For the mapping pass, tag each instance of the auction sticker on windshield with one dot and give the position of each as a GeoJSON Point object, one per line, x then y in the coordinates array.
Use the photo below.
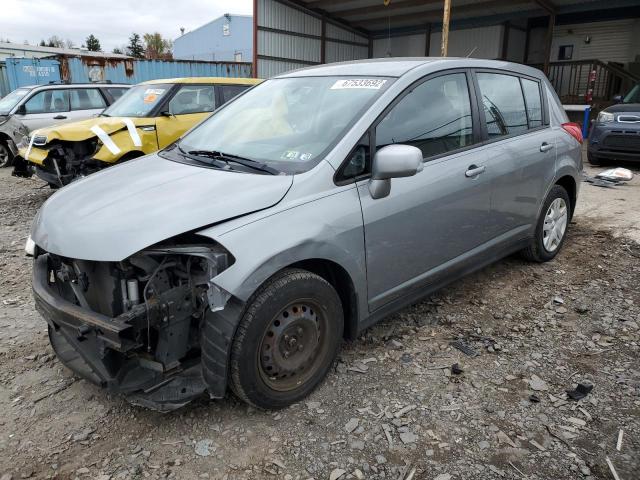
{"type": "Point", "coordinates": [152, 94]}
{"type": "Point", "coordinates": [369, 83]}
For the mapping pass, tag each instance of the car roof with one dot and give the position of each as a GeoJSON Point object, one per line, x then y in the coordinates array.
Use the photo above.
{"type": "Point", "coordinates": [212, 80]}
{"type": "Point", "coordinates": [77, 85]}
{"type": "Point", "coordinates": [399, 66]}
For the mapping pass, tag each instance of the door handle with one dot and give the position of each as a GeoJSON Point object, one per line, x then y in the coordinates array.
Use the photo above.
{"type": "Point", "coordinates": [59, 117]}
{"type": "Point", "coordinates": [474, 171]}
{"type": "Point", "coordinates": [545, 147]}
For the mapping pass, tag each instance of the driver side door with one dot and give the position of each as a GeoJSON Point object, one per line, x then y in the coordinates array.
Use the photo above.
{"type": "Point", "coordinates": [433, 220]}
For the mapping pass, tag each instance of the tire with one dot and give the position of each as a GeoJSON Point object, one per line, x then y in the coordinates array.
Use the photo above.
{"type": "Point", "coordinates": [593, 160]}
{"type": "Point", "coordinates": [545, 245]}
{"type": "Point", "coordinates": [6, 157]}
{"type": "Point", "coordinates": [287, 340]}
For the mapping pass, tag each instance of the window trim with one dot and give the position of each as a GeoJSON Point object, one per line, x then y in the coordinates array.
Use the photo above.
{"type": "Point", "coordinates": [483, 124]}
{"type": "Point", "coordinates": [338, 178]}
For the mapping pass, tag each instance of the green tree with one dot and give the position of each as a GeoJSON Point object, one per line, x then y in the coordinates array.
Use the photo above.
{"type": "Point", "coordinates": [135, 48]}
{"type": "Point", "coordinates": [117, 51]}
{"type": "Point", "coordinates": [93, 44]}
{"type": "Point", "coordinates": [157, 47]}
{"type": "Point", "coordinates": [43, 43]}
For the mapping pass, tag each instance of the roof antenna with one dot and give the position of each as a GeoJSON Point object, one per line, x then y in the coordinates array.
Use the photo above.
{"type": "Point", "coordinates": [472, 51]}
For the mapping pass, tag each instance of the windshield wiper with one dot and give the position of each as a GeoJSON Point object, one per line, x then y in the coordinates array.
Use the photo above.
{"type": "Point", "coordinates": [228, 158]}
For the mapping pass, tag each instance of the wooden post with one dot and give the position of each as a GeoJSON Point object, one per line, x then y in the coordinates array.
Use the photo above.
{"type": "Point", "coordinates": [445, 28]}
{"type": "Point", "coordinates": [427, 46]}
{"type": "Point", "coordinates": [548, 41]}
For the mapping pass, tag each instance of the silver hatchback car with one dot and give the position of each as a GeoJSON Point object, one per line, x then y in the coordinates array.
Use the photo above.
{"type": "Point", "coordinates": [302, 212]}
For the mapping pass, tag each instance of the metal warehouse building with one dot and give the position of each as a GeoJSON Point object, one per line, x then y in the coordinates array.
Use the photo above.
{"type": "Point", "coordinates": [582, 45]}
{"type": "Point", "coordinates": [227, 38]}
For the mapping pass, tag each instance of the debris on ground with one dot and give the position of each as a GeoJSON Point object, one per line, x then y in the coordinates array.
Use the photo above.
{"type": "Point", "coordinates": [581, 391]}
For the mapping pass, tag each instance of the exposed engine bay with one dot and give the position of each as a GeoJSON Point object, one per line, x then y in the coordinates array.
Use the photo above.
{"type": "Point", "coordinates": [134, 326]}
{"type": "Point", "coordinates": [65, 162]}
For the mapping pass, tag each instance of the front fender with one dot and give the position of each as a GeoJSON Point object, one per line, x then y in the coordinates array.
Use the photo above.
{"type": "Point", "coordinates": [329, 228]}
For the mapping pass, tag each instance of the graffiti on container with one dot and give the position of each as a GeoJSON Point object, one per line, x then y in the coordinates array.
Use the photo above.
{"type": "Point", "coordinates": [34, 71]}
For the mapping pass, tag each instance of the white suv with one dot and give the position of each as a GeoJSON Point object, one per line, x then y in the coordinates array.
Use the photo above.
{"type": "Point", "coordinates": [28, 108]}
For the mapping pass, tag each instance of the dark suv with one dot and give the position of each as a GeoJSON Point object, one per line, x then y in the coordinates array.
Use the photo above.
{"type": "Point", "coordinates": [615, 135]}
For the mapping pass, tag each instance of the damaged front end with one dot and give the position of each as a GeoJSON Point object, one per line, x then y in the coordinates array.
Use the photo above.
{"type": "Point", "coordinates": [135, 326]}
{"type": "Point", "coordinates": [59, 162]}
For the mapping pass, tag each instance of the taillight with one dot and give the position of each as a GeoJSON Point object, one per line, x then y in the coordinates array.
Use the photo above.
{"type": "Point", "coordinates": [574, 130]}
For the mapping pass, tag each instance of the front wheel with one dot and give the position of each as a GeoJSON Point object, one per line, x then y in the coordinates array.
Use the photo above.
{"type": "Point", "coordinates": [287, 340]}
{"type": "Point", "coordinates": [6, 157]}
{"type": "Point", "coordinates": [551, 228]}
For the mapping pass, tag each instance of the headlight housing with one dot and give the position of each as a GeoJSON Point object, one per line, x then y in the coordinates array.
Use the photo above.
{"type": "Point", "coordinates": [605, 117]}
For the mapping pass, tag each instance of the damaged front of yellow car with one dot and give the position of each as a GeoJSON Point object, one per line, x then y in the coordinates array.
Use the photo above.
{"type": "Point", "coordinates": [62, 153]}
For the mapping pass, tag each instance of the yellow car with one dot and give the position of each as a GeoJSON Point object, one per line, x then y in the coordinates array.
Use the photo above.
{"type": "Point", "coordinates": [147, 118]}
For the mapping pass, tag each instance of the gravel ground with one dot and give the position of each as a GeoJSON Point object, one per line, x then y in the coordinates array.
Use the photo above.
{"type": "Point", "coordinates": [393, 407]}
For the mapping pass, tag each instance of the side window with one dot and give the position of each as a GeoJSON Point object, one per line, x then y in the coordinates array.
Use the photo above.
{"type": "Point", "coordinates": [503, 103]}
{"type": "Point", "coordinates": [192, 99]}
{"type": "Point", "coordinates": [48, 101]}
{"type": "Point", "coordinates": [116, 93]}
{"type": "Point", "coordinates": [531, 91]}
{"type": "Point", "coordinates": [86, 99]}
{"type": "Point", "coordinates": [435, 117]}
{"type": "Point", "coordinates": [230, 91]}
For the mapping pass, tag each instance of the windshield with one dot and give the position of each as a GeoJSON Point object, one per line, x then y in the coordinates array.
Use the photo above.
{"type": "Point", "coordinates": [287, 123]}
{"type": "Point", "coordinates": [7, 103]}
{"type": "Point", "coordinates": [633, 96]}
{"type": "Point", "coordinates": [138, 101]}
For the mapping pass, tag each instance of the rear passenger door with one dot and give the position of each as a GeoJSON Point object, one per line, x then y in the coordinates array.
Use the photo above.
{"type": "Point", "coordinates": [520, 146]}
{"type": "Point", "coordinates": [431, 222]}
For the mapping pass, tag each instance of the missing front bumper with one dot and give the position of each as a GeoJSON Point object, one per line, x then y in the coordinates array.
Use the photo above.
{"type": "Point", "coordinates": [105, 351]}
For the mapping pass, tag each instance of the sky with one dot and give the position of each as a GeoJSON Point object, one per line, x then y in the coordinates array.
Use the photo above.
{"type": "Point", "coordinates": [111, 21]}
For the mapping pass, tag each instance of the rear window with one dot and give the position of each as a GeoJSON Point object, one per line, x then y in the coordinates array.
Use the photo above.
{"type": "Point", "coordinates": [86, 99]}
{"type": "Point", "coordinates": [503, 101]}
{"type": "Point", "coordinates": [532, 96]}
{"type": "Point", "coordinates": [230, 91]}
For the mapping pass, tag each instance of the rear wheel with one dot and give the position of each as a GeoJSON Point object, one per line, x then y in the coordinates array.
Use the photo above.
{"type": "Point", "coordinates": [551, 228]}
{"type": "Point", "coordinates": [6, 157]}
{"type": "Point", "coordinates": [287, 339]}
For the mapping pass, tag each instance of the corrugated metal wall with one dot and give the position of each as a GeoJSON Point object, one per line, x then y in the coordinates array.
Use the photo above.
{"type": "Point", "coordinates": [136, 71]}
{"type": "Point", "coordinates": [615, 41]}
{"type": "Point", "coordinates": [18, 72]}
{"type": "Point", "coordinates": [290, 37]}
{"type": "Point", "coordinates": [4, 80]}
{"type": "Point", "coordinates": [482, 42]}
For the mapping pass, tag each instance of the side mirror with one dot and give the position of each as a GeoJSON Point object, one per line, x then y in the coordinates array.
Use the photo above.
{"type": "Point", "coordinates": [393, 161]}
{"type": "Point", "coordinates": [22, 110]}
{"type": "Point", "coordinates": [617, 99]}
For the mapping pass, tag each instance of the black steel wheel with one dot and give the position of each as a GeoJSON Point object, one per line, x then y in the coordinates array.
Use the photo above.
{"type": "Point", "coordinates": [287, 340]}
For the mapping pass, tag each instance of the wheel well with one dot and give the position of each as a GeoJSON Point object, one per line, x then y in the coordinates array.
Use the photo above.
{"type": "Point", "coordinates": [341, 281]}
{"type": "Point", "coordinates": [569, 184]}
{"type": "Point", "coordinates": [130, 155]}
{"type": "Point", "coordinates": [4, 138]}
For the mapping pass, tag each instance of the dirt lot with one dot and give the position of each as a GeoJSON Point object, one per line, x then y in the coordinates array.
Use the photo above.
{"type": "Point", "coordinates": [392, 408]}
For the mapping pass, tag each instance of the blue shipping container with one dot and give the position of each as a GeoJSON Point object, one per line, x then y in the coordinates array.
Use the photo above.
{"type": "Point", "coordinates": [31, 71]}
{"type": "Point", "coordinates": [90, 69]}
